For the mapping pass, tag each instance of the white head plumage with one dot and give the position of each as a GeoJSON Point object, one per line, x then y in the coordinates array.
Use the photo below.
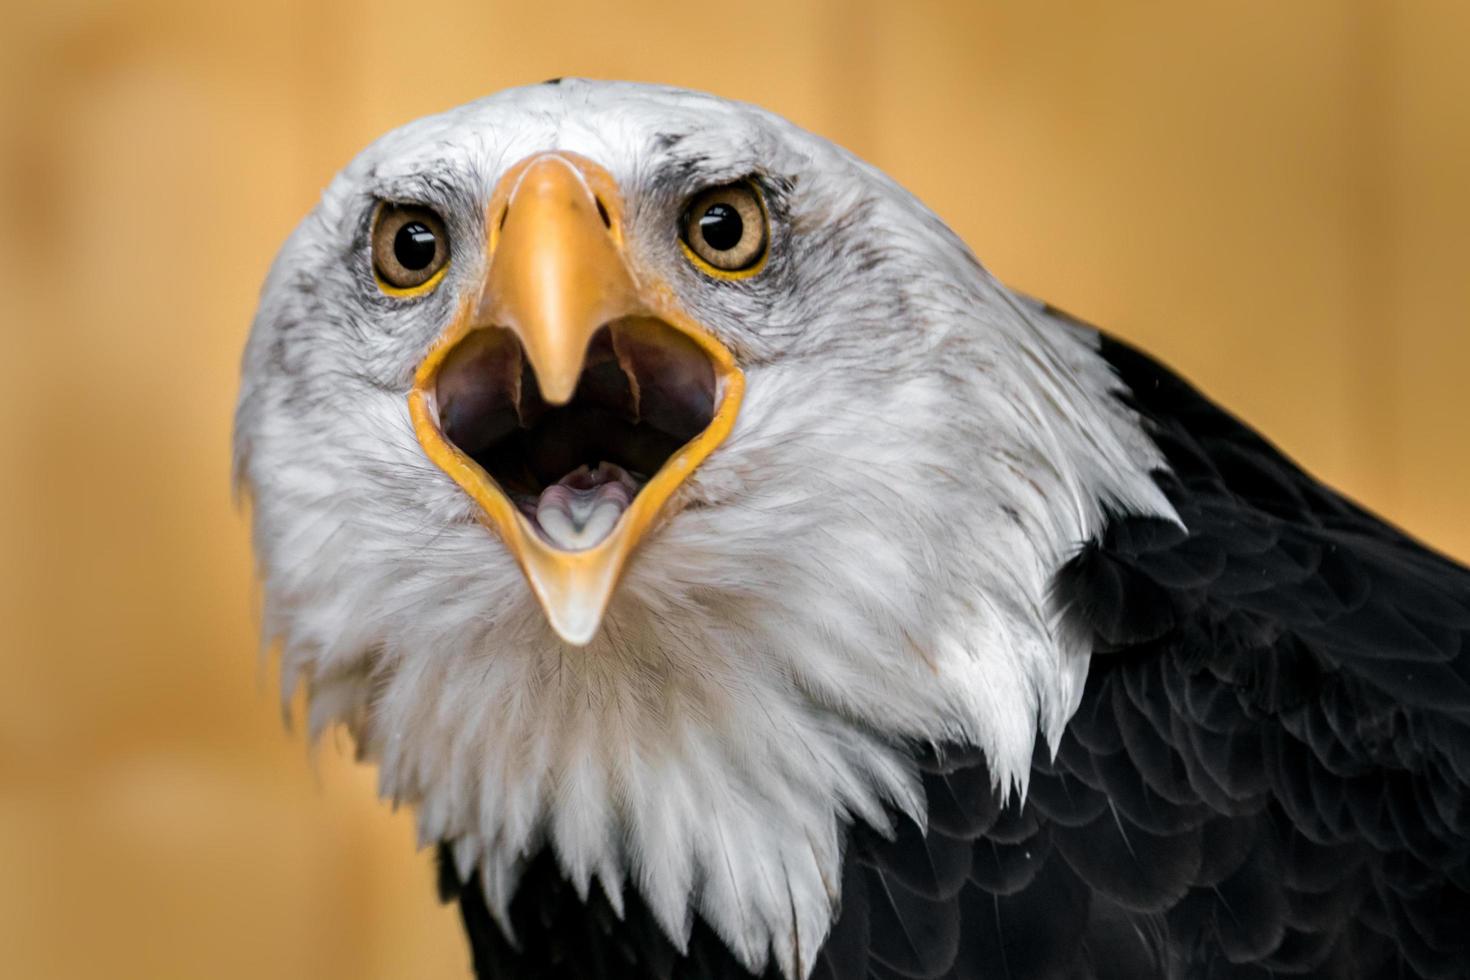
{"type": "Point", "coordinates": [863, 561]}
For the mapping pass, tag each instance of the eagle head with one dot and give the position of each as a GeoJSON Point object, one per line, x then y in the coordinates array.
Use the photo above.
{"type": "Point", "coordinates": [636, 475]}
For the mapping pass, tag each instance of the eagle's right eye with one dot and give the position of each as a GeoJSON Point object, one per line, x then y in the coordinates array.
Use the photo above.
{"type": "Point", "coordinates": [410, 248]}
{"type": "Point", "coordinates": [725, 231]}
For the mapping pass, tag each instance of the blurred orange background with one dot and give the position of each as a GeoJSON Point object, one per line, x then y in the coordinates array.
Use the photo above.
{"type": "Point", "coordinates": [1271, 196]}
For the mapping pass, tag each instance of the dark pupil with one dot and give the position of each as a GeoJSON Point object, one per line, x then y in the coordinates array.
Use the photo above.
{"type": "Point", "coordinates": [414, 246]}
{"type": "Point", "coordinates": [721, 227]}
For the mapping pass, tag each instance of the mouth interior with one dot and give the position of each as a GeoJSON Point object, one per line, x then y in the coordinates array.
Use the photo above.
{"type": "Point", "coordinates": [572, 470]}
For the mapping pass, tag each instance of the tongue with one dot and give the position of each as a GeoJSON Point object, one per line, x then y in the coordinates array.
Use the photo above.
{"type": "Point", "coordinates": [579, 510]}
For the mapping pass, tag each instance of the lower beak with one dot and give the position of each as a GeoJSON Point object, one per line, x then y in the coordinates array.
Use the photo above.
{"type": "Point", "coordinates": [565, 358]}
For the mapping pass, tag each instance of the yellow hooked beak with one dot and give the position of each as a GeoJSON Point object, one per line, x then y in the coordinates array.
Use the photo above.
{"type": "Point", "coordinates": [558, 275]}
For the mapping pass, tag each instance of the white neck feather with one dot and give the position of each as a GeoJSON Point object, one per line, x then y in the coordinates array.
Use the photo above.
{"type": "Point", "coordinates": [766, 654]}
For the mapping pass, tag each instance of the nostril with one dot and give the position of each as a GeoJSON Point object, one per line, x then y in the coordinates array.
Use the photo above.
{"type": "Point", "coordinates": [504, 213]}
{"type": "Point", "coordinates": [602, 213]}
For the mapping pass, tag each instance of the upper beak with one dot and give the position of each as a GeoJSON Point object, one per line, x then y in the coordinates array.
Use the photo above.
{"type": "Point", "coordinates": [557, 274]}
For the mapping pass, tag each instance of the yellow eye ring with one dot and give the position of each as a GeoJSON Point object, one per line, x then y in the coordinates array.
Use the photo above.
{"type": "Point", "coordinates": [410, 247]}
{"type": "Point", "coordinates": [725, 231]}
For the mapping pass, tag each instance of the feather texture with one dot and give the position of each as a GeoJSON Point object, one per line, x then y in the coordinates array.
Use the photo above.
{"type": "Point", "coordinates": [949, 662]}
{"type": "Point", "coordinates": [865, 561]}
{"type": "Point", "coordinates": [1256, 782]}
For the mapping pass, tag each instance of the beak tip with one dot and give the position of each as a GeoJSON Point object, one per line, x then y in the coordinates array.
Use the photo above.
{"type": "Point", "coordinates": [576, 626]}
{"type": "Point", "coordinates": [556, 373]}
{"type": "Point", "coordinates": [573, 589]}
{"type": "Point", "coordinates": [558, 393]}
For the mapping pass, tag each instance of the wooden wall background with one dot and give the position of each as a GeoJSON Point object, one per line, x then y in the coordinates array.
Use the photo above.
{"type": "Point", "coordinates": [1273, 196]}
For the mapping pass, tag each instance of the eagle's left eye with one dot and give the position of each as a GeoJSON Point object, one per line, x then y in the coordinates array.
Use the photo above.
{"type": "Point", "coordinates": [724, 230]}
{"type": "Point", "coordinates": [410, 246]}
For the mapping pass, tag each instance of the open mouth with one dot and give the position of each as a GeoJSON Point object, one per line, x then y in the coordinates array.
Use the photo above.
{"type": "Point", "coordinates": [573, 470]}
{"type": "Point", "coordinates": [569, 397]}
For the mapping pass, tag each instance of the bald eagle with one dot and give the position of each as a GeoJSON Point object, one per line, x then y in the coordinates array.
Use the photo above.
{"type": "Point", "coordinates": [738, 580]}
